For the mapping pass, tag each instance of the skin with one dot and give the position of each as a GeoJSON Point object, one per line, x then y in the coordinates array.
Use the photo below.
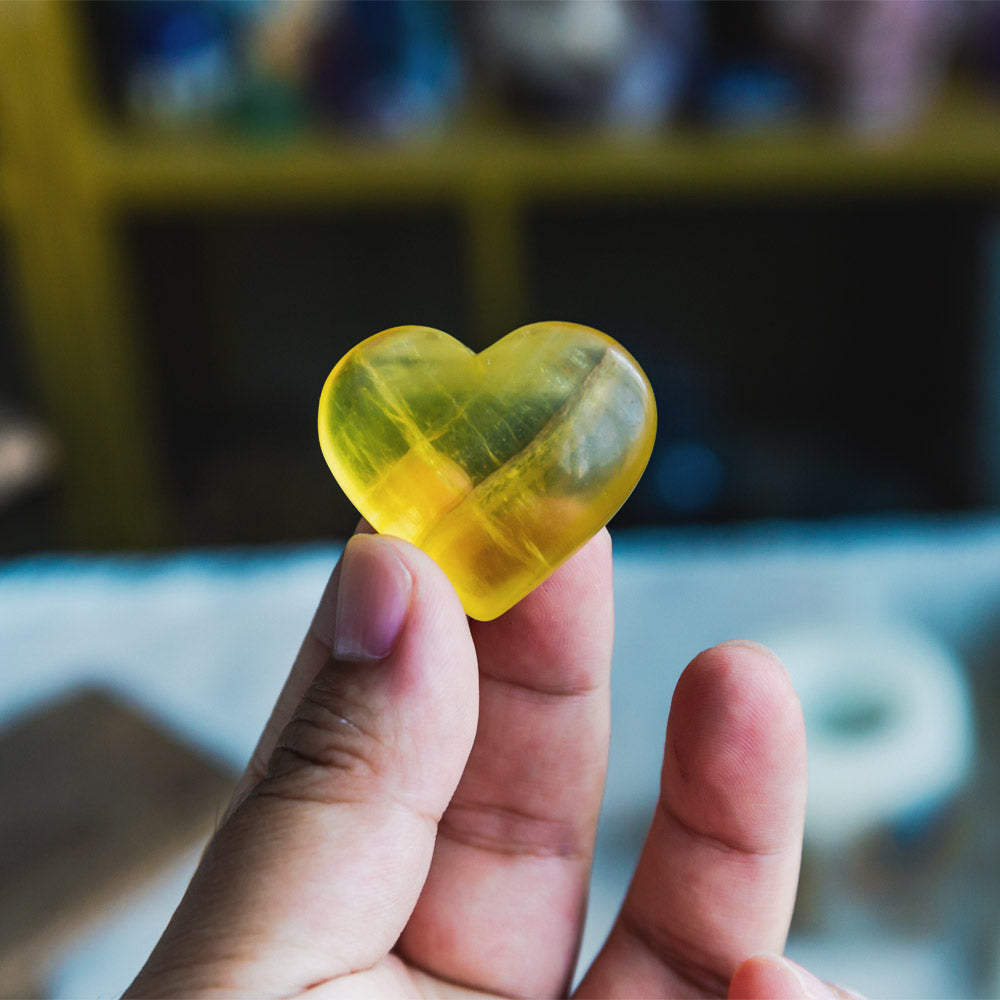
{"type": "Point", "coordinates": [419, 816]}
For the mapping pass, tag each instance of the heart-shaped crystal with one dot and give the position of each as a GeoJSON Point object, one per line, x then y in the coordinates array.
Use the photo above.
{"type": "Point", "coordinates": [499, 465]}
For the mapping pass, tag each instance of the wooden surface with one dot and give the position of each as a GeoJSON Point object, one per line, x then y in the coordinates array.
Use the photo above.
{"type": "Point", "coordinates": [96, 798]}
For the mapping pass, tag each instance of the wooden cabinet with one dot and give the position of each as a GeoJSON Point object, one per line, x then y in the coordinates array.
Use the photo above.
{"type": "Point", "coordinates": [68, 176]}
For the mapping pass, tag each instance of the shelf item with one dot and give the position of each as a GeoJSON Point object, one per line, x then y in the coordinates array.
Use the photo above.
{"type": "Point", "coordinates": [28, 455]}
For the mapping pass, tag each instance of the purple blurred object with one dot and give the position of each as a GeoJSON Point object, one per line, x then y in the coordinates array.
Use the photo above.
{"type": "Point", "coordinates": [389, 67]}
{"type": "Point", "coordinates": [984, 27]}
{"type": "Point", "coordinates": [884, 59]}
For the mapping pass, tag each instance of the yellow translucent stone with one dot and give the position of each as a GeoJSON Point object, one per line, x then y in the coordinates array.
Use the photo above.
{"type": "Point", "coordinates": [499, 465]}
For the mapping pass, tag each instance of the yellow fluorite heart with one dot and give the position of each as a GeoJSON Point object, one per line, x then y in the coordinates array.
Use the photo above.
{"type": "Point", "coordinates": [499, 465]}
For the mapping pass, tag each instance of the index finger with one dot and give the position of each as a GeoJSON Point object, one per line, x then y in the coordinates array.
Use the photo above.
{"type": "Point", "coordinates": [503, 906]}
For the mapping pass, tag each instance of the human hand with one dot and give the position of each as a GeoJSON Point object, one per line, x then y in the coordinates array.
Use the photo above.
{"type": "Point", "coordinates": [420, 813]}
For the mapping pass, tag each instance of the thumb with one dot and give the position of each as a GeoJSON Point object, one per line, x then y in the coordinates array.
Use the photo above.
{"type": "Point", "coordinates": [317, 869]}
{"type": "Point", "coordinates": [774, 977]}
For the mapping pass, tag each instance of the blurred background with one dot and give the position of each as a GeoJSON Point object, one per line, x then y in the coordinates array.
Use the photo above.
{"type": "Point", "coordinates": [786, 211]}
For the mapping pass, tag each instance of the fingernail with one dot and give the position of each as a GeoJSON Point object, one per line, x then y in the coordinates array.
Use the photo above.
{"type": "Point", "coordinates": [796, 981]}
{"type": "Point", "coordinates": [372, 601]}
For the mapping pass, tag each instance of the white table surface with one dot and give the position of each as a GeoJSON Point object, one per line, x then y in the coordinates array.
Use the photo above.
{"type": "Point", "coordinates": [203, 641]}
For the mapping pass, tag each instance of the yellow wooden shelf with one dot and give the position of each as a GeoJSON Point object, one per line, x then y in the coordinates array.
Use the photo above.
{"type": "Point", "coordinates": [8, 193]}
{"type": "Point", "coordinates": [958, 147]}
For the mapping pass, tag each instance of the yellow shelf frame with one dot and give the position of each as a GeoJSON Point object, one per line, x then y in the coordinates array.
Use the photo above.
{"type": "Point", "coordinates": [958, 146]}
{"type": "Point", "coordinates": [80, 332]}
{"type": "Point", "coordinates": [67, 175]}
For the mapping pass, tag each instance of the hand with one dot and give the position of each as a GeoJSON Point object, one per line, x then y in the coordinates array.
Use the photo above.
{"type": "Point", "coordinates": [420, 813]}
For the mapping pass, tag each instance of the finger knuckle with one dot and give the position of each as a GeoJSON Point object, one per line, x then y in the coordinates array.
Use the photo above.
{"type": "Point", "coordinates": [330, 747]}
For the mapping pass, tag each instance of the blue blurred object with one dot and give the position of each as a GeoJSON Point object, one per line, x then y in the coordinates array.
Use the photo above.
{"type": "Point", "coordinates": [389, 67]}
{"type": "Point", "coordinates": [654, 79]}
{"type": "Point", "coordinates": [688, 477]}
{"type": "Point", "coordinates": [753, 94]}
{"type": "Point", "coordinates": [180, 67]}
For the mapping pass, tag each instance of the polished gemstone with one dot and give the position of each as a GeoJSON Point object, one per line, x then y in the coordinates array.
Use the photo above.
{"type": "Point", "coordinates": [499, 465]}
